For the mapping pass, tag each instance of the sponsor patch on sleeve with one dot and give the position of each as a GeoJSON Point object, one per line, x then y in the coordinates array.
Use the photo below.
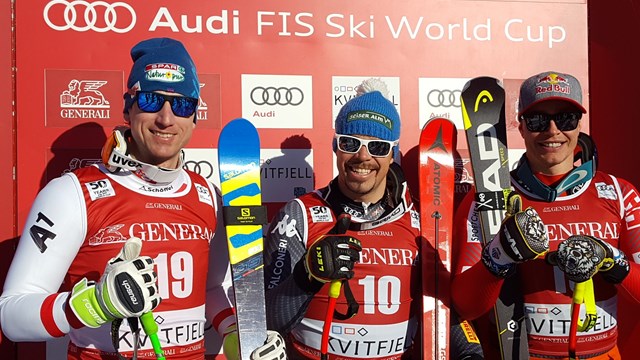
{"type": "Point", "coordinates": [204, 195]}
{"type": "Point", "coordinates": [415, 219]}
{"type": "Point", "coordinates": [100, 189]}
{"type": "Point", "coordinates": [320, 214]}
{"type": "Point", "coordinates": [606, 191]}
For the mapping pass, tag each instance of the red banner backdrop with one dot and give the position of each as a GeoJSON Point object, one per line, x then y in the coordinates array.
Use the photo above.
{"type": "Point", "coordinates": [286, 65]}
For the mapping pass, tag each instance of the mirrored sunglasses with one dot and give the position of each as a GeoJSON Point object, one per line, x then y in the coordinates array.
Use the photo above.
{"type": "Point", "coordinates": [152, 102]}
{"type": "Point", "coordinates": [565, 121]}
{"type": "Point", "coordinates": [376, 148]}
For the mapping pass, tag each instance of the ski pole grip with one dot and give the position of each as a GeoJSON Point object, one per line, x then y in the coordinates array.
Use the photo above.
{"type": "Point", "coordinates": [587, 297]}
{"type": "Point", "coordinates": [150, 327]}
{"type": "Point", "coordinates": [334, 288]}
{"type": "Point", "coordinates": [341, 227]}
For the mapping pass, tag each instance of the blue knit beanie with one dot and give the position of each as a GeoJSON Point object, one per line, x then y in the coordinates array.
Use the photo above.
{"type": "Point", "coordinates": [369, 113]}
{"type": "Point", "coordinates": [161, 64]}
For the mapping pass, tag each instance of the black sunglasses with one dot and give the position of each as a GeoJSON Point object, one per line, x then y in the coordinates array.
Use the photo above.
{"type": "Point", "coordinates": [152, 102]}
{"type": "Point", "coordinates": [377, 148]}
{"type": "Point", "coordinates": [565, 121]}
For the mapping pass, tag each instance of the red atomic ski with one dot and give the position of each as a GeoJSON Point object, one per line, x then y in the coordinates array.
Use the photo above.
{"type": "Point", "coordinates": [437, 174]}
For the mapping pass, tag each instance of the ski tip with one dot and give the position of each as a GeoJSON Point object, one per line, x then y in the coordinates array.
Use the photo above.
{"type": "Point", "coordinates": [239, 125]}
{"type": "Point", "coordinates": [238, 133]}
{"type": "Point", "coordinates": [482, 80]}
{"type": "Point", "coordinates": [240, 120]}
{"type": "Point", "coordinates": [439, 120]}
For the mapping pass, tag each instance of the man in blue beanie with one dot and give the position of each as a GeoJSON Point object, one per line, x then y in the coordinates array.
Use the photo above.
{"type": "Point", "coordinates": [360, 230]}
{"type": "Point", "coordinates": [105, 213]}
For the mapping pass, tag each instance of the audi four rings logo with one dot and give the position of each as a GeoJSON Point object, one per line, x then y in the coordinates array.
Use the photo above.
{"type": "Point", "coordinates": [92, 13]}
{"type": "Point", "coordinates": [203, 168]}
{"type": "Point", "coordinates": [444, 98]}
{"type": "Point", "coordinates": [276, 96]}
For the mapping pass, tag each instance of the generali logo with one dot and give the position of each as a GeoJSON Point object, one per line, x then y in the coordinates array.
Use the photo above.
{"type": "Point", "coordinates": [74, 97]}
{"type": "Point", "coordinates": [85, 94]}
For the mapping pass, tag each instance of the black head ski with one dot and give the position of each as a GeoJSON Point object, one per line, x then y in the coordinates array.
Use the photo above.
{"type": "Point", "coordinates": [484, 122]}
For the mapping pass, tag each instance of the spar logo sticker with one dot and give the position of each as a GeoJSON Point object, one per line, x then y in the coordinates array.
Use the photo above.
{"type": "Point", "coordinates": [278, 101]}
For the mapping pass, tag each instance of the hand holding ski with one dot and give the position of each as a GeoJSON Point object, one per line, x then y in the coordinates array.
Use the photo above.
{"type": "Point", "coordinates": [331, 257]}
{"type": "Point", "coordinates": [127, 288]}
{"type": "Point", "coordinates": [580, 257]}
{"type": "Point", "coordinates": [522, 237]}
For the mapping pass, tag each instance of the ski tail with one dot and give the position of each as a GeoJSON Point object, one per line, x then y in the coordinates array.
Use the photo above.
{"type": "Point", "coordinates": [483, 101]}
{"type": "Point", "coordinates": [244, 216]}
{"type": "Point", "coordinates": [437, 175]}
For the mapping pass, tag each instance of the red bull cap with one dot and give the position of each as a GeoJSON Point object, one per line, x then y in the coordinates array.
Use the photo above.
{"type": "Point", "coordinates": [550, 85]}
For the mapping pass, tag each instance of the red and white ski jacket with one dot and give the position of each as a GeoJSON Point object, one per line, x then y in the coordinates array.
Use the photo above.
{"type": "Point", "coordinates": [386, 284]}
{"type": "Point", "coordinates": [81, 220]}
{"type": "Point", "coordinates": [605, 207]}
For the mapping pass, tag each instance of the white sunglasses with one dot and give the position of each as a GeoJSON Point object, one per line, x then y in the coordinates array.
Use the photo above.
{"type": "Point", "coordinates": [376, 148]}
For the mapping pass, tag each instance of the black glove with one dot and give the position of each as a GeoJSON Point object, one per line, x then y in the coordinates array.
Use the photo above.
{"type": "Point", "coordinates": [522, 237]}
{"type": "Point", "coordinates": [332, 256]}
{"type": "Point", "coordinates": [581, 256]}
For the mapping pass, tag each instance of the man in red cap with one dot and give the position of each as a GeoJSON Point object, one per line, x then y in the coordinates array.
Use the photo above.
{"type": "Point", "coordinates": [588, 220]}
